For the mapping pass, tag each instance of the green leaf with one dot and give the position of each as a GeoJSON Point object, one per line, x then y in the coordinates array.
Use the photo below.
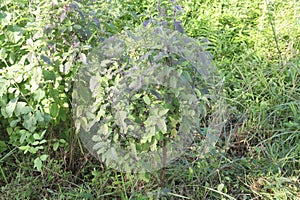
{"type": "Point", "coordinates": [19, 107]}
{"type": "Point", "coordinates": [37, 136]}
{"type": "Point", "coordinates": [104, 129]}
{"type": "Point", "coordinates": [46, 59]}
{"type": "Point", "coordinates": [39, 95]}
{"type": "Point", "coordinates": [162, 112]}
{"type": "Point", "coordinates": [187, 76]}
{"type": "Point", "coordinates": [161, 125]}
{"type": "Point", "coordinates": [153, 146]}
{"type": "Point", "coordinates": [39, 116]}
{"type": "Point", "coordinates": [24, 135]}
{"type": "Point", "coordinates": [13, 123]}
{"type": "Point", "coordinates": [99, 146]}
{"type": "Point", "coordinates": [147, 99]}
{"type": "Point", "coordinates": [62, 114]}
{"type": "Point", "coordinates": [83, 122]}
{"type": "Point", "coordinates": [113, 154]}
{"type": "Point", "coordinates": [43, 157]}
{"type": "Point", "coordinates": [55, 146]}
{"type": "Point", "coordinates": [26, 110]}
{"type": "Point", "coordinates": [49, 75]}
{"type": "Point", "coordinates": [116, 137]}
{"type": "Point", "coordinates": [29, 122]}
{"type": "Point", "coordinates": [36, 79]}
{"type": "Point", "coordinates": [156, 94]}
{"type": "Point", "coordinates": [14, 36]}
{"type": "Point", "coordinates": [10, 107]}
{"type": "Point", "coordinates": [120, 117]}
{"type": "Point", "coordinates": [3, 85]}
{"type": "Point", "coordinates": [12, 58]}
{"type": "Point", "coordinates": [54, 109]}
{"type": "Point", "coordinates": [5, 18]}
{"type": "Point", "coordinates": [25, 148]}
{"type": "Point", "coordinates": [220, 187]}
{"type": "Point", "coordinates": [173, 82]}
{"type": "Point", "coordinates": [38, 164]}
{"type": "Point", "coordinates": [3, 146]}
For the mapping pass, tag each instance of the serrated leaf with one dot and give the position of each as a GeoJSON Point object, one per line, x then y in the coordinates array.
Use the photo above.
{"type": "Point", "coordinates": [10, 107]}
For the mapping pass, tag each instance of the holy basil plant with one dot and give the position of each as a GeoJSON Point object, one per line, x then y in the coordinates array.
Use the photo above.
{"type": "Point", "coordinates": [142, 97]}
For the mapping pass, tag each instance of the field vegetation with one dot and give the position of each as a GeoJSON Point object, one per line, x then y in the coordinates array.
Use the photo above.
{"type": "Point", "coordinates": [255, 45]}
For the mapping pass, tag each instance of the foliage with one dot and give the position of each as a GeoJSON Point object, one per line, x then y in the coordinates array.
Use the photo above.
{"type": "Point", "coordinates": [41, 47]}
{"type": "Point", "coordinates": [254, 43]}
{"type": "Point", "coordinates": [143, 91]}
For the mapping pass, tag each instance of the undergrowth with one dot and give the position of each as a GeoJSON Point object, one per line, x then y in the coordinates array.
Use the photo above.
{"type": "Point", "coordinates": [255, 45]}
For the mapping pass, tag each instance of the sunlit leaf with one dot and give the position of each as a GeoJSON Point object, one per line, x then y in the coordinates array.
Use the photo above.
{"type": "Point", "coordinates": [10, 107]}
{"type": "Point", "coordinates": [147, 99]}
{"type": "Point", "coordinates": [19, 107]}
{"type": "Point", "coordinates": [39, 94]}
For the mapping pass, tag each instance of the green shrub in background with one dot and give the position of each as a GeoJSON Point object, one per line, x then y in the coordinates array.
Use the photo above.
{"type": "Point", "coordinates": [42, 44]}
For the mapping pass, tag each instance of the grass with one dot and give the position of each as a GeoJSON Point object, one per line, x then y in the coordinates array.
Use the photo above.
{"type": "Point", "coordinates": [256, 46]}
